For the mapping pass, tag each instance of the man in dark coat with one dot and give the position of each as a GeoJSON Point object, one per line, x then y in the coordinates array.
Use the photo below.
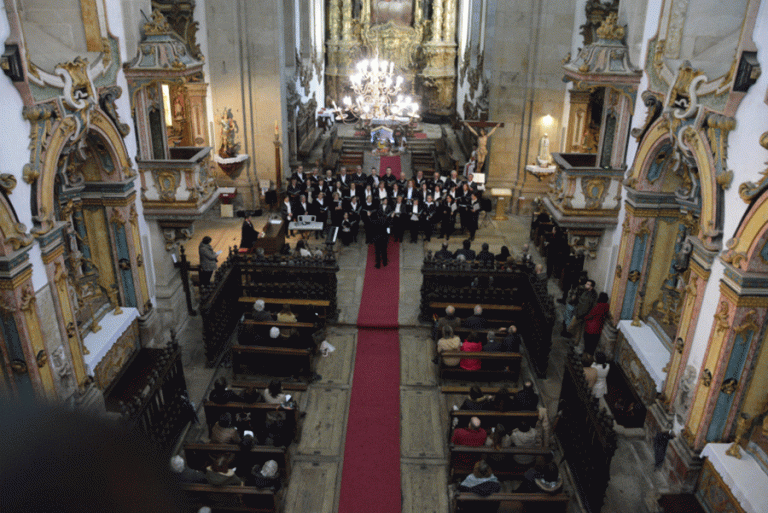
{"type": "Point", "coordinates": [485, 256]}
{"type": "Point", "coordinates": [526, 399]}
{"type": "Point", "coordinates": [380, 238]}
{"type": "Point", "coordinates": [444, 254]}
{"type": "Point", "coordinates": [465, 250]}
{"type": "Point", "coordinates": [476, 322]}
{"type": "Point", "coordinates": [248, 233]}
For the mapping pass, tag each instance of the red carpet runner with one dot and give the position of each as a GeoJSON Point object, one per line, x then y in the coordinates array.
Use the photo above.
{"type": "Point", "coordinates": [371, 473]}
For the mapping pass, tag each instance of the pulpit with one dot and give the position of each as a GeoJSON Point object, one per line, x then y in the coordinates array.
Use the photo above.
{"type": "Point", "coordinates": [502, 202]}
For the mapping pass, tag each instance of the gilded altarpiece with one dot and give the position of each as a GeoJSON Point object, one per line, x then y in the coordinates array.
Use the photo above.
{"type": "Point", "coordinates": [422, 50]}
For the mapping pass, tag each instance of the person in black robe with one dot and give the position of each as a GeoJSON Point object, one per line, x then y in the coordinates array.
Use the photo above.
{"type": "Point", "coordinates": [248, 233]}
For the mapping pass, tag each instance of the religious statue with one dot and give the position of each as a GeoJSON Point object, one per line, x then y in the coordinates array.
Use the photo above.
{"type": "Point", "coordinates": [544, 158]}
{"type": "Point", "coordinates": [229, 128]}
{"type": "Point", "coordinates": [482, 144]}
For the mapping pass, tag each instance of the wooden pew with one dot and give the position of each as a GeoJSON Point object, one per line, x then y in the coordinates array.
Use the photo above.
{"type": "Point", "coordinates": [271, 361]}
{"type": "Point", "coordinates": [232, 498]}
{"type": "Point", "coordinates": [300, 307]}
{"type": "Point", "coordinates": [497, 316]}
{"type": "Point", "coordinates": [489, 419]}
{"type": "Point", "coordinates": [463, 333]}
{"type": "Point", "coordinates": [258, 413]}
{"type": "Point", "coordinates": [199, 456]}
{"type": "Point", "coordinates": [502, 461]}
{"type": "Point", "coordinates": [288, 386]}
{"type": "Point", "coordinates": [250, 331]}
{"type": "Point", "coordinates": [538, 502]}
{"type": "Point", "coordinates": [496, 361]}
{"type": "Point", "coordinates": [464, 389]}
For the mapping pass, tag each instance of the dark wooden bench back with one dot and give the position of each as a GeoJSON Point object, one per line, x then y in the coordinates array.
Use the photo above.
{"type": "Point", "coordinates": [538, 502]}
{"type": "Point", "coordinates": [493, 367]}
{"type": "Point", "coordinates": [489, 419]}
{"type": "Point", "coordinates": [258, 413]}
{"type": "Point", "coordinates": [271, 361]}
{"type": "Point", "coordinates": [232, 498]}
{"type": "Point", "coordinates": [199, 456]}
{"type": "Point", "coordinates": [501, 461]}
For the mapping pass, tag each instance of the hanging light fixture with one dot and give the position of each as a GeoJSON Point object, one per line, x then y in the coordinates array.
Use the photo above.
{"type": "Point", "coordinates": [377, 96]}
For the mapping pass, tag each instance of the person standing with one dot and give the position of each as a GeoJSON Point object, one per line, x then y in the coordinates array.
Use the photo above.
{"type": "Point", "coordinates": [380, 238]}
{"type": "Point", "coordinates": [593, 323]}
{"type": "Point", "coordinates": [587, 300]}
{"type": "Point", "coordinates": [208, 258]}
{"type": "Point", "coordinates": [248, 233]}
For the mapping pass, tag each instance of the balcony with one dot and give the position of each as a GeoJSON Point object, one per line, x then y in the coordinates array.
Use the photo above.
{"type": "Point", "coordinates": [180, 187]}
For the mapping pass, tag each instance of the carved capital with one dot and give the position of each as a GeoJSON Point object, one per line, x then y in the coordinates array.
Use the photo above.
{"type": "Point", "coordinates": [7, 182]}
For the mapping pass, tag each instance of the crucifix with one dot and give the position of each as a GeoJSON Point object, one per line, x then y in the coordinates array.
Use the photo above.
{"type": "Point", "coordinates": [482, 138]}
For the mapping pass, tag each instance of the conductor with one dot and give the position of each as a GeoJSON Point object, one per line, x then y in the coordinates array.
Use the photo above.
{"type": "Point", "coordinates": [248, 233]}
{"type": "Point", "coordinates": [380, 237]}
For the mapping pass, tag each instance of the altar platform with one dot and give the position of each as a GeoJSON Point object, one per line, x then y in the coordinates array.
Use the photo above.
{"type": "Point", "coordinates": [642, 356]}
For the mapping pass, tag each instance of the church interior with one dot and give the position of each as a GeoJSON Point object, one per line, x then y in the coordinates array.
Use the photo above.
{"type": "Point", "coordinates": [623, 142]}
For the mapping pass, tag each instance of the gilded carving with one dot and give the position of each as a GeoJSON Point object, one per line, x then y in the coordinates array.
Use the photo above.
{"type": "Point", "coordinates": [594, 190]}
{"type": "Point", "coordinates": [107, 102]}
{"type": "Point", "coordinates": [44, 223]}
{"type": "Point", "coordinates": [30, 174]}
{"type": "Point", "coordinates": [706, 378]}
{"type": "Point", "coordinates": [28, 299]}
{"type": "Point", "coordinates": [609, 30]}
{"type": "Point", "coordinates": [167, 182]}
{"type": "Point", "coordinates": [634, 276]}
{"type": "Point", "coordinates": [133, 216]}
{"type": "Point", "coordinates": [7, 182]}
{"type": "Point", "coordinates": [655, 105]}
{"type": "Point", "coordinates": [749, 323]}
{"type": "Point", "coordinates": [643, 228]}
{"type": "Point", "coordinates": [749, 190]}
{"type": "Point", "coordinates": [618, 271]}
{"type": "Point", "coordinates": [721, 317]}
{"type": "Point", "coordinates": [117, 217]}
{"type": "Point", "coordinates": [41, 359]}
{"type": "Point", "coordinates": [21, 239]}
{"type": "Point", "coordinates": [157, 25]}
{"type": "Point", "coordinates": [395, 43]}
{"type": "Point", "coordinates": [113, 362]}
{"type": "Point", "coordinates": [729, 386]}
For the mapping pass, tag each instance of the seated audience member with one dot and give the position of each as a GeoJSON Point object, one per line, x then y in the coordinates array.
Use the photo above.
{"type": "Point", "coordinates": [472, 436]}
{"type": "Point", "coordinates": [444, 254]}
{"type": "Point", "coordinates": [223, 433]}
{"type": "Point", "coordinates": [481, 482]}
{"type": "Point", "coordinates": [465, 250]}
{"type": "Point", "coordinates": [274, 394]}
{"type": "Point", "coordinates": [471, 345]}
{"type": "Point", "coordinates": [302, 250]}
{"type": "Point", "coordinates": [544, 464]}
{"type": "Point", "coordinates": [184, 473]}
{"type": "Point", "coordinates": [252, 395]}
{"type": "Point", "coordinates": [449, 342]}
{"type": "Point", "coordinates": [243, 457]}
{"type": "Point", "coordinates": [476, 401]}
{"type": "Point", "coordinates": [220, 472]}
{"type": "Point", "coordinates": [540, 272]}
{"type": "Point", "coordinates": [512, 341]}
{"type": "Point", "coordinates": [524, 436]}
{"type": "Point", "coordinates": [498, 438]}
{"type": "Point", "coordinates": [485, 256]}
{"type": "Point", "coordinates": [450, 319]}
{"type": "Point", "coordinates": [259, 314]}
{"type": "Point", "coordinates": [222, 395]}
{"type": "Point", "coordinates": [526, 399]}
{"type": "Point", "coordinates": [265, 476]}
{"type": "Point", "coordinates": [503, 401]}
{"type": "Point", "coordinates": [503, 255]}
{"type": "Point", "coordinates": [526, 258]}
{"type": "Point", "coordinates": [286, 315]}
{"type": "Point", "coordinates": [476, 322]}
{"type": "Point", "coordinates": [550, 480]}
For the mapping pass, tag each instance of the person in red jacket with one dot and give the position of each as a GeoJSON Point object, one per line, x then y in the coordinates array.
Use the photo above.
{"type": "Point", "coordinates": [471, 345]}
{"type": "Point", "coordinates": [472, 435]}
{"type": "Point", "coordinates": [593, 323]}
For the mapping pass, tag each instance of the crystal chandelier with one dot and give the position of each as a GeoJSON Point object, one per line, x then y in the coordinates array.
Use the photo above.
{"type": "Point", "coordinates": [377, 96]}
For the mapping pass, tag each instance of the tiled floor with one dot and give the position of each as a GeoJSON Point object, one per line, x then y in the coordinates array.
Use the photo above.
{"type": "Point", "coordinates": [317, 461]}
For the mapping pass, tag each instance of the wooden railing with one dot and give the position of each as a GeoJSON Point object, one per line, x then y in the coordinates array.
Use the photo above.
{"type": "Point", "coordinates": [586, 435]}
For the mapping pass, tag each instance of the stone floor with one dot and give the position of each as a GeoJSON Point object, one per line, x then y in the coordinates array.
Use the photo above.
{"type": "Point", "coordinates": [317, 459]}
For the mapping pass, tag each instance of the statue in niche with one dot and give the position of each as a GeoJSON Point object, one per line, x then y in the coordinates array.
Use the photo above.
{"type": "Point", "coordinates": [544, 157]}
{"type": "Point", "coordinates": [399, 12]}
{"type": "Point", "coordinates": [685, 394]}
{"type": "Point", "coordinates": [229, 129]}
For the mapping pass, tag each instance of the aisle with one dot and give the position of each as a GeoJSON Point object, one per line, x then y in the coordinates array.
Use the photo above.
{"type": "Point", "coordinates": [371, 470]}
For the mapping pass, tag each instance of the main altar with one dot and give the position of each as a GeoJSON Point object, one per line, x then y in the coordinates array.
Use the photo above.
{"type": "Point", "coordinates": [422, 47]}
